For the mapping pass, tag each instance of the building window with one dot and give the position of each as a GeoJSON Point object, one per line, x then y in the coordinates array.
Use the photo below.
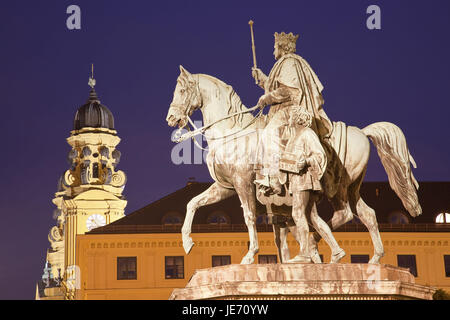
{"type": "Point", "coordinates": [355, 220]}
{"type": "Point", "coordinates": [221, 260]}
{"type": "Point", "coordinates": [398, 217]}
{"type": "Point", "coordinates": [408, 261]}
{"type": "Point", "coordinates": [443, 218]}
{"type": "Point", "coordinates": [267, 258]}
{"type": "Point", "coordinates": [218, 217]}
{"type": "Point", "coordinates": [126, 268]}
{"type": "Point", "coordinates": [172, 218]}
{"type": "Point", "coordinates": [447, 265]}
{"type": "Point", "coordinates": [174, 267]}
{"type": "Point", "coordinates": [359, 258]}
{"type": "Point", "coordinates": [262, 219]}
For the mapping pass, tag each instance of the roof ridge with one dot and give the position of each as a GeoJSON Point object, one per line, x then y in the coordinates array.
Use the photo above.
{"type": "Point", "coordinates": [154, 203]}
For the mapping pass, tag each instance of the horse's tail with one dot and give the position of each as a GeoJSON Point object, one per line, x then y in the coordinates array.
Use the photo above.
{"type": "Point", "coordinates": [395, 157]}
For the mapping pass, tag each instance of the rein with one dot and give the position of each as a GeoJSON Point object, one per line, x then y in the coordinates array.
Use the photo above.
{"type": "Point", "coordinates": [178, 137]}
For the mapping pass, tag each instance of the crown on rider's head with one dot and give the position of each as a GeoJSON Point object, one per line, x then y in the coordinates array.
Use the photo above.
{"type": "Point", "coordinates": [287, 41]}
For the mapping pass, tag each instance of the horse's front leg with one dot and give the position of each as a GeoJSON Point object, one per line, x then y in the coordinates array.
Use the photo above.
{"type": "Point", "coordinates": [213, 194]}
{"type": "Point", "coordinates": [247, 195]}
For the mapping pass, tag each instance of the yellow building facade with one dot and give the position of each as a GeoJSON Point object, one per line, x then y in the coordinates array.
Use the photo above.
{"type": "Point", "coordinates": [98, 255]}
{"type": "Point", "coordinates": [150, 239]}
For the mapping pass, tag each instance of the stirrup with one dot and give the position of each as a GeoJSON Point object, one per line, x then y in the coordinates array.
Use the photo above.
{"type": "Point", "coordinates": [263, 182]}
{"type": "Point", "coordinates": [276, 185]}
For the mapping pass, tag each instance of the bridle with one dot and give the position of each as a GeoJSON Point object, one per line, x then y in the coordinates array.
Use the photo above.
{"type": "Point", "coordinates": [179, 137]}
{"type": "Point", "coordinates": [180, 108]}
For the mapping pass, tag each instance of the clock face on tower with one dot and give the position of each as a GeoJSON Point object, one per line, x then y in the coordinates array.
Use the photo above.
{"type": "Point", "coordinates": [95, 221]}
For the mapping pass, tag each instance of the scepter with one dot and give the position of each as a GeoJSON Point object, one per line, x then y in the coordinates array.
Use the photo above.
{"type": "Point", "coordinates": [253, 47]}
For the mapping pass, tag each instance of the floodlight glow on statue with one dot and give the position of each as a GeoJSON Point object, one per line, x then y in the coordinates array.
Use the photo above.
{"type": "Point", "coordinates": [240, 151]}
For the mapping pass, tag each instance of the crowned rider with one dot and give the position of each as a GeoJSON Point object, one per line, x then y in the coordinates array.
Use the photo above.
{"type": "Point", "coordinates": [290, 82]}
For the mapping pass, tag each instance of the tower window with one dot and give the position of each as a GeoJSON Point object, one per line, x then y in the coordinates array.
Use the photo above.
{"type": "Point", "coordinates": [126, 268]}
{"type": "Point", "coordinates": [359, 258]}
{"type": "Point", "coordinates": [267, 258]}
{"type": "Point", "coordinates": [221, 261]}
{"type": "Point", "coordinates": [443, 218]}
{"type": "Point", "coordinates": [408, 261]}
{"type": "Point", "coordinates": [95, 173]}
{"type": "Point", "coordinates": [174, 267]}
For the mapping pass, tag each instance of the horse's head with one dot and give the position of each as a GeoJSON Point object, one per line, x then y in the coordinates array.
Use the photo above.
{"type": "Point", "coordinates": [186, 99]}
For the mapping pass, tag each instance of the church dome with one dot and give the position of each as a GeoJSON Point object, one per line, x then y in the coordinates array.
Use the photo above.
{"type": "Point", "coordinates": [93, 114]}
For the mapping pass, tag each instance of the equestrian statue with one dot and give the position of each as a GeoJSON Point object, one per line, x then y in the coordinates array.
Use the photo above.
{"type": "Point", "coordinates": [289, 159]}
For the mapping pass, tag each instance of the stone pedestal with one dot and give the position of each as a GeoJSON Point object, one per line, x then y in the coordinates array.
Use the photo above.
{"type": "Point", "coordinates": [303, 282]}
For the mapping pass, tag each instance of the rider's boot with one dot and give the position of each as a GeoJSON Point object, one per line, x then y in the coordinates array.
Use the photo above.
{"type": "Point", "coordinates": [275, 184]}
{"type": "Point", "coordinates": [269, 183]}
{"type": "Point", "coordinates": [263, 182]}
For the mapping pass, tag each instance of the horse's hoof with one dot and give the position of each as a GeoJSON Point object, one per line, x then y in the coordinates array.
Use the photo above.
{"type": "Point", "coordinates": [285, 257]}
{"type": "Point", "coordinates": [187, 245]}
{"type": "Point", "coordinates": [375, 259]}
{"type": "Point", "coordinates": [300, 259]}
{"type": "Point", "coordinates": [247, 260]}
{"type": "Point", "coordinates": [315, 257]}
{"type": "Point", "coordinates": [335, 258]}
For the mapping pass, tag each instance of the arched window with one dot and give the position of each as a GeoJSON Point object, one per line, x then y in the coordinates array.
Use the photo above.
{"type": "Point", "coordinates": [262, 219]}
{"type": "Point", "coordinates": [443, 218]}
{"type": "Point", "coordinates": [172, 218]}
{"type": "Point", "coordinates": [398, 217]}
{"type": "Point", "coordinates": [355, 220]}
{"type": "Point", "coordinates": [218, 217]}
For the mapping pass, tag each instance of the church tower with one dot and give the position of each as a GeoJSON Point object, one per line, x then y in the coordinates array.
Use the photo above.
{"type": "Point", "coordinates": [89, 193]}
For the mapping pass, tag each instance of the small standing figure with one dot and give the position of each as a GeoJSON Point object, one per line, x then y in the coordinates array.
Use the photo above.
{"type": "Point", "coordinates": [304, 162]}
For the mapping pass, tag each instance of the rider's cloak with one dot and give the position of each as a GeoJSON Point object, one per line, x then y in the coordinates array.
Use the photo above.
{"type": "Point", "coordinates": [293, 71]}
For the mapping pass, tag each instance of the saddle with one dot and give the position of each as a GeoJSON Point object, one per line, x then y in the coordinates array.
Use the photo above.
{"type": "Point", "coordinates": [335, 149]}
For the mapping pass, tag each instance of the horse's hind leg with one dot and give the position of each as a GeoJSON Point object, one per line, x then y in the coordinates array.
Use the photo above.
{"type": "Point", "coordinates": [337, 253]}
{"type": "Point", "coordinates": [367, 216]}
{"type": "Point", "coordinates": [213, 194]}
{"type": "Point", "coordinates": [342, 214]}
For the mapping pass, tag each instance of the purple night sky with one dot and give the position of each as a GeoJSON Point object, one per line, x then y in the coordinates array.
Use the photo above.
{"type": "Point", "coordinates": [398, 74]}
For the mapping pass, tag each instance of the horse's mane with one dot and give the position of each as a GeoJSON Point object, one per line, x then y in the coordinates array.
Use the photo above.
{"type": "Point", "coordinates": [234, 103]}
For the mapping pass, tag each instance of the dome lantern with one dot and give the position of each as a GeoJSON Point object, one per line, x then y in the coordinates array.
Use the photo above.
{"type": "Point", "coordinates": [93, 114]}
